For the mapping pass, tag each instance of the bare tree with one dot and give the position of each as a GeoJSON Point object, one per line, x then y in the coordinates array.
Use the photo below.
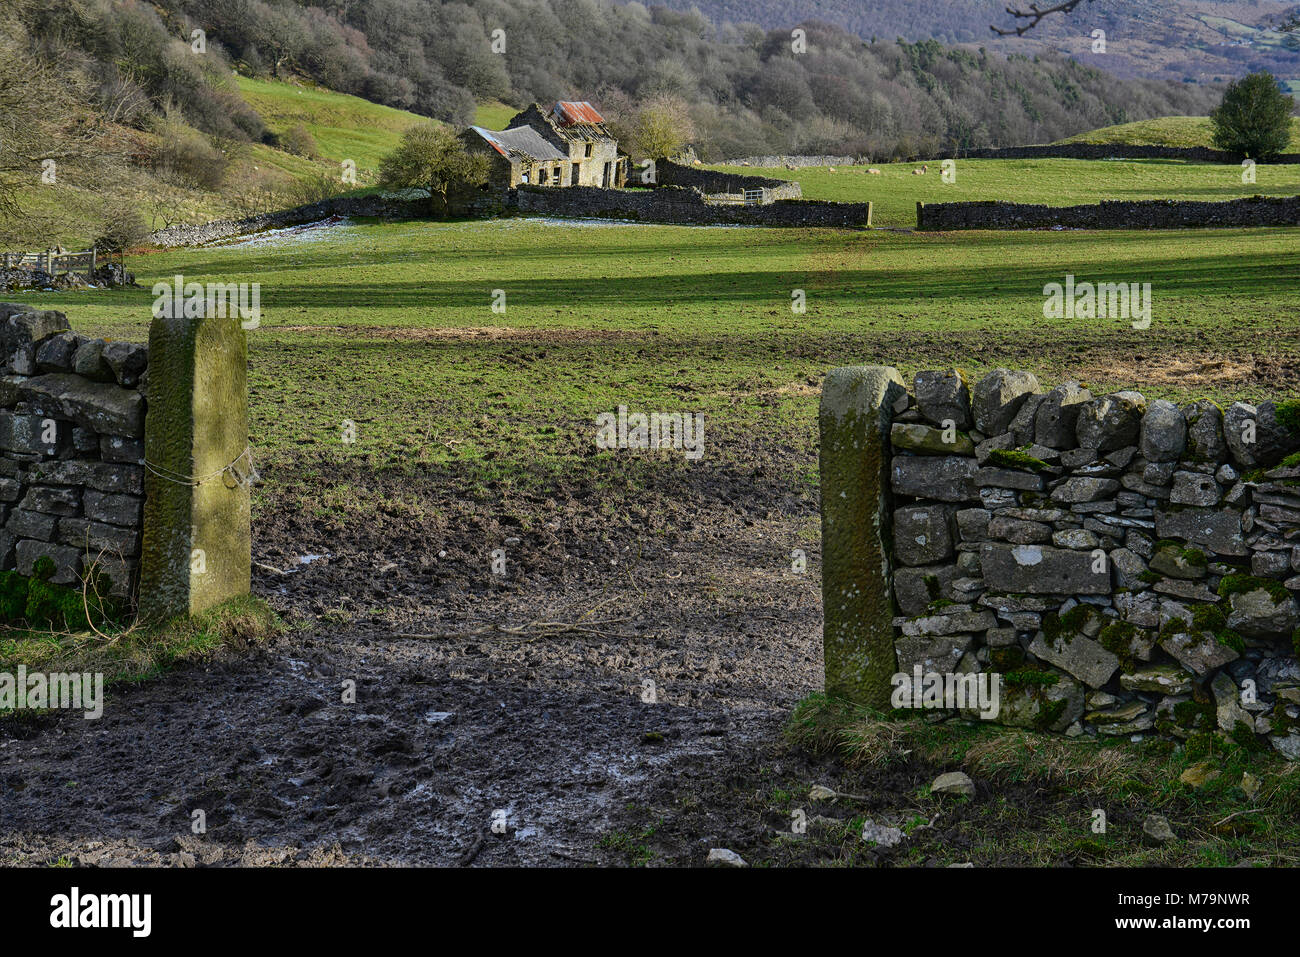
{"type": "Point", "coordinates": [42, 126]}
{"type": "Point", "coordinates": [1033, 16]}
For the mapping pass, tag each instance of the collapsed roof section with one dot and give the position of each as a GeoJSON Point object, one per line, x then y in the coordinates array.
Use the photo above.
{"type": "Point", "coordinates": [578, 120]}
{"type": "Point", "coordinates": [522, 142]}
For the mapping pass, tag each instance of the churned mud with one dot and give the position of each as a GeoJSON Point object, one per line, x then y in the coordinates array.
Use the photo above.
{"type": "Point", "coordinates": [631, 643]}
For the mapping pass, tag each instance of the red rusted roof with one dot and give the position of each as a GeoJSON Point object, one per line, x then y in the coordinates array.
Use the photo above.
{"type": "Point", "coordinates": [570, 112]}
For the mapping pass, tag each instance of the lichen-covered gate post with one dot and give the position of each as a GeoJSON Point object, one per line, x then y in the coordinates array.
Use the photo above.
{"type": "Point", "coordinates": [858, 635]}
{"type": "Point", "coordinates": [196, 549]}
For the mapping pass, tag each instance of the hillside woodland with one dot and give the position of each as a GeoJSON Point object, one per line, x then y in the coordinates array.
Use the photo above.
{"type": "Point", "coordinates": [149, 98]}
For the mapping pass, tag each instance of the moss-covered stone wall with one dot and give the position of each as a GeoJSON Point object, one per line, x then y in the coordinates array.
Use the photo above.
{"type": "Point", "coordinates": [1125, 566]}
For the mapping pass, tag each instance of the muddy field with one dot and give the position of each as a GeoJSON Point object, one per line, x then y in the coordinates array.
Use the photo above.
{"type": "Point", "coordinates": [475, 693]}
{"type": "Point", "coordinates": [617, 696]}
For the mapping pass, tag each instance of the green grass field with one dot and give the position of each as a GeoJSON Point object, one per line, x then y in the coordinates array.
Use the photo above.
{"type": "Point", "coordinates": [391, 325]}
{"type": "Point", "coordinates": [1062, 182]}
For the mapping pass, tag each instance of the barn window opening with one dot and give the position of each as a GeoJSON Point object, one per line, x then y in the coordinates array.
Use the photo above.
{"type": "Point", "coordinates": [589, 151]}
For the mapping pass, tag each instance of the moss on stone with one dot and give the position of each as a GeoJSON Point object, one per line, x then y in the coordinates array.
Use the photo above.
{"type": "Point", "coordinates": [1117, 638]}
{"type": "Point", "coordinates": [13, 596]}
{"type": "Point", "coordinates": [932, 587]}
{"type": "Point", "coordinates": [1175, 626]}
{"type": "Point", "coordinates": [1211, 619]}
{"type": "Point", "coordinates": [1049, 713]}
{"type": "Point", "coordinates": [1192, 714]}
{"type": "Point", "coordinates": [1149, 577]}
{"type": "Point", "coordinates": [1190, 556]}
{"type": "Point", "coordinates": [1240, 584]}
{"type": "Point", "coordinates": [1066, 626]}
{"type": "Point", "coordinates": [1288, 415]}
{"type": "Point", "coordinates": [37, 603]}
{"type": "Point", "coordinates": [1030, 676]}
{"type": "Point", "coordinates": [1243, 735]}
{"type": "Point", "coordinates": [1208, 618]}
{"type": "Point", "coordinates": [1015, 459]}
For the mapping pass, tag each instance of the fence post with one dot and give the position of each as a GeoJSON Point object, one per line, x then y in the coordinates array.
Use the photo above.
{"type": "Point", "coordinates": [93, 250]}
{"type": "Point", "coordinates": [196, 549]}
{"type": "Point", "coordinates": [49, 261]}
{"type": "Point", "coordinates": [857, 604]}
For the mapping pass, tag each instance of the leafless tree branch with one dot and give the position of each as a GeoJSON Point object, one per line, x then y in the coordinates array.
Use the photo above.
{"type": "Point", "coordinates": [1034, 16]}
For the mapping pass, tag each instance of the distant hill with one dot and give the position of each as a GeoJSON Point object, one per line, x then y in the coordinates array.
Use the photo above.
{"type": "Point", "coordinates": [1197, 40]}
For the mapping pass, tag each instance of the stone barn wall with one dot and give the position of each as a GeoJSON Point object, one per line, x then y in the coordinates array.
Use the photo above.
{"type": "Point", "coordinates": [1125, 565]}
{"type": "Point", "coordinates": [71, 448]}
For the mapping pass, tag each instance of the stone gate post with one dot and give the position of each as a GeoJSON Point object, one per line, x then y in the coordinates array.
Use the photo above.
{"type": "Point", "coordinates": [858, 635]}
{"type": "Point", "coordinates": [196, 549]}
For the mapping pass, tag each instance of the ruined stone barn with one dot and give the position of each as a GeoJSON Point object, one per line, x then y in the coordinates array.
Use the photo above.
{"type": "Point", "coordinates": [569, 146]}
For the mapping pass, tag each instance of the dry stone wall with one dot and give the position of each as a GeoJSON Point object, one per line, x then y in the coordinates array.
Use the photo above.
{"type": "Point", "coordinates": [1137, 214]}
{"type": "Point", "coordinates": [775, 161]}
{"type": "Point", "coordinates": [668, 173]}
{"type": "Point", "coordinates": [373, 205]}
{"type": "Point", "coordinates": [1107, 151]}
{"type": "Point", "coordinates": [72, 416]}
{"type": "Point", "coordinates": [675, 204]}
{"type": "Point", "coordinates": [1125, 565]}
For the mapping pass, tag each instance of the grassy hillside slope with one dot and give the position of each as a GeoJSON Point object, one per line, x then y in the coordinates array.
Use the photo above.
{"type": "Point", "coordinates": [344, 127]}
{"type": "Point", "coordinates": [494, 115]}
{"type": "Point", "coordinates": [259, 176]}
{"type": "Point", "coordinates": [1164, 131]}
